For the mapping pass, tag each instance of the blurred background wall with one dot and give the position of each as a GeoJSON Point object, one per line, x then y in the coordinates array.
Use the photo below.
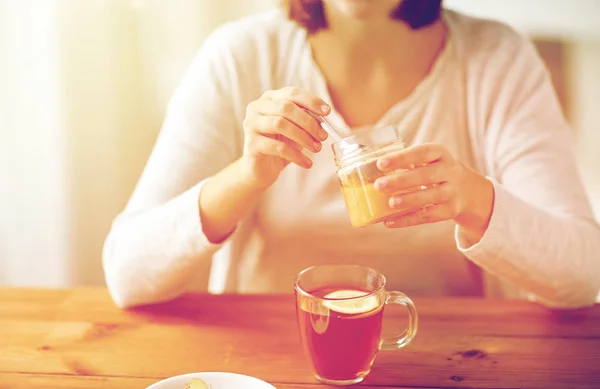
{"type": "Point", "coordinates": [83, 90]}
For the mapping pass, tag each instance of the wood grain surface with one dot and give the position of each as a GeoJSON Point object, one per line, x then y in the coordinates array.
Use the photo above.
{"type": "Point", "coordinates": [77, 338]}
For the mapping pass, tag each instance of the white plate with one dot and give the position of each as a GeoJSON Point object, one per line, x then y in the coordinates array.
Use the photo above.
{"type": "Point", "coordinates": [215, 380]}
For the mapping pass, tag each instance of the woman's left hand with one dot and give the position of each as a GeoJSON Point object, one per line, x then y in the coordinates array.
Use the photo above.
{"type": "Point", "coordinates": [448, 189]}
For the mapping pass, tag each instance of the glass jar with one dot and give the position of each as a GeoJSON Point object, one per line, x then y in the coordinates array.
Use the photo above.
{"type": "Point", "coordinates": [356, 159]}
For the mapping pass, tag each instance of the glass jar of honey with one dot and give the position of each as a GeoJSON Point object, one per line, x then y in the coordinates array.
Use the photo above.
{"type": "Point", "coordinates": [356, 159]}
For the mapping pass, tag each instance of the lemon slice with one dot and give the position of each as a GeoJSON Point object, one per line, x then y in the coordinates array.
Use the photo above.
{"type": "Point", "coordinates": [197, 383]}
{"type": "Point", "coordinates": [353, 306]}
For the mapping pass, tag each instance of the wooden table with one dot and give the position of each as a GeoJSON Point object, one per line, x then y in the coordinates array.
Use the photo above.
{"type": "Point", "coordinates": [77, 338]}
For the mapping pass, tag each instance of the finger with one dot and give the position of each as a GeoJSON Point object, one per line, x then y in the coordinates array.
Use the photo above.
{"type": "Point", "coordinates": [295, 145]}
{"type": "Point", "coordinates": [428, 214]}
{"type": "Point", "coordinates": [301, 97]}
{"type": "Point", "coordinates": [418, 199]}
{"type": "Point", "coordinates": [295, 114]}
{"type": "Point", "coordinates": [412, 156]}
{"type": "Point", "coordinates": [273, 147]}
{"type": "Point", "coordinates": [435, 173]}
{"type": "Point", "coordinates": [277, 125]}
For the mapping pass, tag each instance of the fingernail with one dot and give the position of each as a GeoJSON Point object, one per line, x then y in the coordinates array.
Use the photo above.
{"type": "Point", "coordinates": [308, 163]}
{"type": "Point", "coordinates": [325, 108]}
{"type": "Point", "coordinates": [322, 135]}
{"type": "Point", "coordinates": [383, 163]}
{"type": "Point", "coordinates": [317, 146]}
{"type": "Point", "coordinates": [381, 183]}
{"type": "Point", "coordinates": [395, 202]}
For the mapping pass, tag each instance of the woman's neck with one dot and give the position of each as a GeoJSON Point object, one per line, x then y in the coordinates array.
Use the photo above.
{"type": "Point", "coordinates": [381, 42]}
{"type": "Point", "coordinates": [379, 61]}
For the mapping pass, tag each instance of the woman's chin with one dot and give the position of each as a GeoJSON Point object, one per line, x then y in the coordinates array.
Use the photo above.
{"type": "Point", "coordinates": [363, 9]}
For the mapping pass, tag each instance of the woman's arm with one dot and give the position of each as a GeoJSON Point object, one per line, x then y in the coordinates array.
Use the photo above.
{"type": "Point", "coordinates": [542, 236]}
{"type": "Point", "coordinates": [276, 131]}
{"type": "Point", "coordinates": [157, 245]}
{"type": "Point", "coordinates": [207, 170]}
{"type": "Point", "coordinates": [530, 224]}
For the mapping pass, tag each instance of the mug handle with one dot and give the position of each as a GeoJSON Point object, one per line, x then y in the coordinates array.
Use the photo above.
{"type": "Point", "coordinates": [413, 321]}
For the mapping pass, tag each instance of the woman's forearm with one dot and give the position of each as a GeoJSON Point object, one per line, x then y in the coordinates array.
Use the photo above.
{"type": "Point", "coordinates": [552, 257]}
{"type": "Point", "coordinates": [478, 206]}
{"type": "Point", "coordinates": [151, 255]}
{"type": "Point", "coordinates": [224, 200]}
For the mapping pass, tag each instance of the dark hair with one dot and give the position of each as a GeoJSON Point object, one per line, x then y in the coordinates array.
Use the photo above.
{"type": "Point", "coordinates": [416, 13]}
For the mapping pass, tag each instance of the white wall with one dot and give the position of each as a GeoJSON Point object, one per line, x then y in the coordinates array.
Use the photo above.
{"type": "Point", "coordinates": [33, 188]}
{"type": "Point", "coordinates": [84, 86]}
{"type": "Point", "coordinates": [584, 73]}
{"type": "Point", "coordinates": [570, 19]}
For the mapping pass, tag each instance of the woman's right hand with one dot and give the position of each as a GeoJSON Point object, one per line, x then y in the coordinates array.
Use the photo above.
{"type": "Point", "coordinates": [277, 128]}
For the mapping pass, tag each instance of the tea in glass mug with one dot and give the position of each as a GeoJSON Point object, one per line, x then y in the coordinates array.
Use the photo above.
{"type": "Point", "coordinates": [356, 159]}
{"type": "Point", "coordinates": [340, 311]}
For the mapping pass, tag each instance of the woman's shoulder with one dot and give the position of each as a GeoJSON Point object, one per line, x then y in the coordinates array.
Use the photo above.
{"type": "Point", "coordinates": [256, 35]}
{"type": "Point", "coordinates": [242, 58]}
{"type": "Point", "coordinates": [488, 41]}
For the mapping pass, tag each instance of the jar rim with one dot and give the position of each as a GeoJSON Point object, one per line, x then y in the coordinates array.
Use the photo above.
{"type": "Point", "coordinates": [364, 153]}
{"type": "Point", "coordinates": [366, 143]}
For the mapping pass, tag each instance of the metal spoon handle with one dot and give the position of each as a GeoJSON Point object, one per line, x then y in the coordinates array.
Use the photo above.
{"type": "Point", "coordinates": [326, 126]}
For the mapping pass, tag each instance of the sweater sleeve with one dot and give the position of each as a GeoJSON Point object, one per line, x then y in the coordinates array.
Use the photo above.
{"type": "Point", "coordinates": [156, 245]}
{"type": "Point", "coordinates": [542, 237]}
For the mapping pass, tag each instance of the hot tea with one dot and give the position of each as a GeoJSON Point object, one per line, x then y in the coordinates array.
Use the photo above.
{"type": "Point", "coordinates": [342, 337]}
{"type": "Point", "coordinates": [340, 314]}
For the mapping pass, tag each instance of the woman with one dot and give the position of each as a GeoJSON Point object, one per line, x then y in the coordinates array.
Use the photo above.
{"type": "Point", "coordinates": [240, 162]}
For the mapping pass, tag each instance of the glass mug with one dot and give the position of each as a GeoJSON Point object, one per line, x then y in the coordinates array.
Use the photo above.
{"type": "Point", "coordinates": [356, 159]}
{"type": "Point", "coordinates": [340, 314]}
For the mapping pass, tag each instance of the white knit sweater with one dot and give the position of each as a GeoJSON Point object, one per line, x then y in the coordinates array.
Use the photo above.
{"type": "Point", "coordinates": [488, 99]}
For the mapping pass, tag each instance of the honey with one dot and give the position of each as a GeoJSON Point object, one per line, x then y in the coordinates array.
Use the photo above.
{"type": "Point", "coordinates": [365, 205]}
{"type": "Point", "coordinates": [357, 172]}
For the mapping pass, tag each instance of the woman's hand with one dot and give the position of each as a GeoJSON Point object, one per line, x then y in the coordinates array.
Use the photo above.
{"type": "Point", "coordinates": [277, 129]}
{"type": "Point", "coordinates": [449, 190]}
